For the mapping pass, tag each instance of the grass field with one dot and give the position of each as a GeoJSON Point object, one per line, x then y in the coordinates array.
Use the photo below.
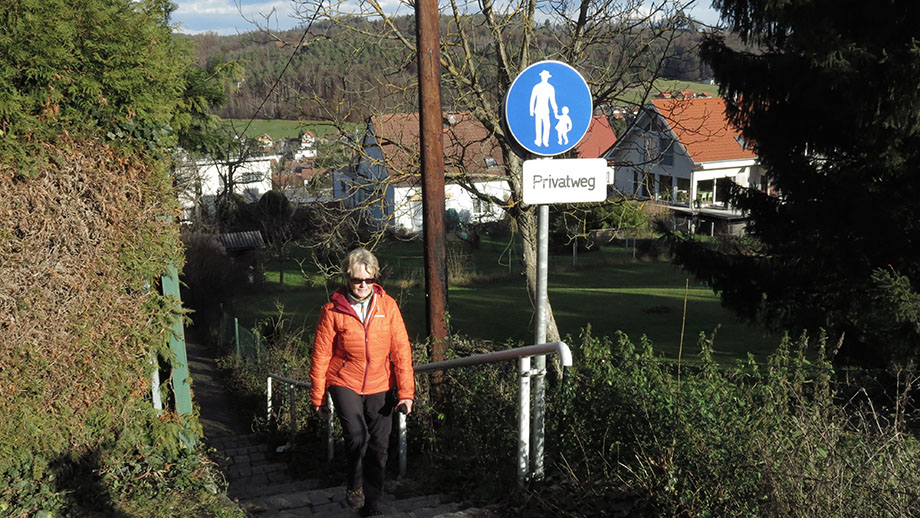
{"type": "Point", "coordinates": [281, 128]}
{"type": "Point", "coordinates": [607, 289]}
{"type": "Point", "coordinates": [670, 85]}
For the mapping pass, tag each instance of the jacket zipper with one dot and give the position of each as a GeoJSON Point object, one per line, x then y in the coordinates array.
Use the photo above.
{"type": "Point", "coordinates": [367, 348]}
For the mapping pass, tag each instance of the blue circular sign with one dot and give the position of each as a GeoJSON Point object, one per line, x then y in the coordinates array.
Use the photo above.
{"type": "Point", "coordinates": [548, 108]}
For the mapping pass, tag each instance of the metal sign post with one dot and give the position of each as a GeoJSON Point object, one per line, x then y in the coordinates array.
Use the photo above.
{"type": "Point", "coordinates": [548, 110]}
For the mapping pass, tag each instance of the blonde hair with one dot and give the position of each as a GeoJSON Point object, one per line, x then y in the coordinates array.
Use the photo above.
{"type": "Point", "coordinates": [360, 256]}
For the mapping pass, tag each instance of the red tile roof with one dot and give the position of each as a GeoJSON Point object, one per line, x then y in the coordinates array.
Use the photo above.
{"type": "Point", "coordinates": [467, 144]}
{"type": "Point", "coordinates": [598, 139]}
{"type": "Point", "coordinates": [701, 126]}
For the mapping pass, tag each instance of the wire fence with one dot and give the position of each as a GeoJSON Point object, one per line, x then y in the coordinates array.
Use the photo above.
{"type": "Point", "coordinates": [247, 344]}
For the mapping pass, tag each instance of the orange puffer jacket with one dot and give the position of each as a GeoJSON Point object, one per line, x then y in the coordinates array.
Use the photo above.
{"type": "Point", "coordinates": [369, 357]}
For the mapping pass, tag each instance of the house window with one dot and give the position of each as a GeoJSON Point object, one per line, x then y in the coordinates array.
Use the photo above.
{"type": "Point", "coordinates": [491, 163]}
{"type": "Point", "coordinates": [666, 151]}
{"type": "Point", "coordinates": [665, 187]}
{"type": "Point", "coordinates": [478, 206]}
{"type": "Point", "coordinates": [704, 193]}
{"type": "Point", "coordinates": [683, 191]}
{"type": "Point", "coordinates": [644, 186]}
{"type": "Point", "coordinates": [417, 214]}
{"type": "Point", "coordinates": [723, 190]}
{"type": "Point", "coordinates": [648, 185]}
{"type": "Point", "coordinates": [250, 177]}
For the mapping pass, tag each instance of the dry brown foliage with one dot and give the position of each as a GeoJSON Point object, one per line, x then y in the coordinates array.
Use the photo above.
{"type": "Point", "coordinates": [82, 246]}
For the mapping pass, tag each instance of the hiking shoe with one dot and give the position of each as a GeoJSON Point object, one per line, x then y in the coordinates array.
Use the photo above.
{"type": "Point", "coordinates": [355, 498]}
{"type": "Point", "coordinates": [371, 510]}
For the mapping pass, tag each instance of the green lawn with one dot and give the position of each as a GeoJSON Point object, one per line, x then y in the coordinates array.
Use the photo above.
{"type": "Point", "coordinates": [671, 85]}
{"type": "Point", "coordinates": [607, 290]}
{"type": "Point", "coordinates": [281, 128]}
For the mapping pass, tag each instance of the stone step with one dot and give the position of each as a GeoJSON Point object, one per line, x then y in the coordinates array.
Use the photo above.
{"type": "Point", "coordinates": [253, 449]}
{"type": "Point", "coordinates": [339, 510]}
{"type": "Point", "coordinates": [254, 484]}
{"type": "Point", "coordinates": [248, 493]}
{"type": "Point", "coordinates": [238, 471]}
{"type": "Point", "coordinates": [236, 441]}
{"type": "Point", "coordinates": [230, 463]}
{"type": "Point", "coordinates": [305, 501]}
{"type": "Point", "coordinates": [330, 503]}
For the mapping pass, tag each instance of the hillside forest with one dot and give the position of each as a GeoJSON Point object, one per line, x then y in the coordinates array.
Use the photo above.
{"type": "Point", "coordinates": [334, 76]}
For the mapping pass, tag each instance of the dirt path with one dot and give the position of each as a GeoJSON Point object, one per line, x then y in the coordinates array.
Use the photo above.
{"type": "Point", "coordinates": [220, 415]}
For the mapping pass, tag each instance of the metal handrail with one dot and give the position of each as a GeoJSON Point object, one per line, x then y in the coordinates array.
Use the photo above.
{"type": "Point", "coordinates": [565, 357]}
{"type": "Point", "coordinates": [293, 384]}
{"type": "Point", "coordinates": [522, 354]}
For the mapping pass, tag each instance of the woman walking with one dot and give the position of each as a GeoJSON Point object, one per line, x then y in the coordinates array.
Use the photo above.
{"type": "Point", "coordinates": [362, 352]}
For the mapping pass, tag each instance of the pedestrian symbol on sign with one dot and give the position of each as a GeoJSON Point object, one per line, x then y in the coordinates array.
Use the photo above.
{"type": "Point", "coordinates": [548, 96]}
{"type": "Point", "coordinates": [541, 97]}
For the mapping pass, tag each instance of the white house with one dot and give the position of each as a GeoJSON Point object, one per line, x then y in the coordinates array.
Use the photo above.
{"type": "Point", "coordinates": [387, 176]}
{"type": "Point", "coordinates": [684, 152]}
{"type": "Point", "coordinates": [301, 148]}
{"type": "Point", "coordinates": [307, 147]}
{"type": "Point", "coordinates": [204, 179]}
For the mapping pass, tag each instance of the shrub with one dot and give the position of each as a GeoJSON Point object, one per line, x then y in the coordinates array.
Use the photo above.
{"type": "Point", "coordinates": [82, 319]}
{"type": "Point", "coordinates": [631, 433]}
{"type": "Point", "coordinates": [714, 441]}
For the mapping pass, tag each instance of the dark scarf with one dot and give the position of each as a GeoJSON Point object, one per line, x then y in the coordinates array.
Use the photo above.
{"type": "Point", "coordinates": [353, 299]}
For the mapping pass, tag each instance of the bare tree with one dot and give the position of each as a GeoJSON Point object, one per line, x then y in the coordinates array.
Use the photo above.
{"type": "Point", "coordinates": [619, 46]}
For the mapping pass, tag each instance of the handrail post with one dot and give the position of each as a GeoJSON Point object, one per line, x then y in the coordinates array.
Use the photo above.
{"type": "Point", "coordinates": [293, 392]}
{"type": "Point", "coordinates": [523, 419]}
{"type": "Point", "coordinates": [402, 443]}
{"type": "Point", "coordinates": [539, 382]}
{"type": "Point", "coordinates": [330, 438]}
{"type": "Point", "coordinates": [268, 400]}
{"type": "Point", "coordinates": [236, 335]}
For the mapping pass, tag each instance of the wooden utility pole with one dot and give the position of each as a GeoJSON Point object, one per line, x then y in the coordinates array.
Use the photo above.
{"type": "Point", "coordinates": [428, 43]}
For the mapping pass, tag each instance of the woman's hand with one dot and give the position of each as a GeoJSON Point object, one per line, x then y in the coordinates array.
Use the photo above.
{"type": "Point", "coordinates": [407, 403]}
{"type": "Point", "coordinates": [322, 411]}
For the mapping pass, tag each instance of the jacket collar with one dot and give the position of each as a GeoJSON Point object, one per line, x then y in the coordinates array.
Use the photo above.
{"type": "Point", "coordinates": [339, 298]}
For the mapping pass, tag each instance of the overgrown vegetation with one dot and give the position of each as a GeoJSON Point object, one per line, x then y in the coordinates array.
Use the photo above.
{"type": "Point", "coordinates": [90, 95]}
{"type": "Point", "coordinates": [630, 433]}
{"type": "Point", "coordinates": [82, 319]}
{"type": "Point", "coordinates": [786, 438]}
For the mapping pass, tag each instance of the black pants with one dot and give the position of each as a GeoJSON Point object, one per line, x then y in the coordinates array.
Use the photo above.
{"type": "Point", "coordinates": [366, 424]}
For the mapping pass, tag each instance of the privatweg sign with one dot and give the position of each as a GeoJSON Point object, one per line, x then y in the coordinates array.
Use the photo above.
{"type": "Point", "coordinates": [573, 180]}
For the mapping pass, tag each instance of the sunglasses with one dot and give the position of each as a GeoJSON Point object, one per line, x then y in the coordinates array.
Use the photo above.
{"type": "Point", "coordinates": [355, 280]}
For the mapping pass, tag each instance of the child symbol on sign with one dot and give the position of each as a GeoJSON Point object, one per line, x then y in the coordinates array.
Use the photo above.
{"type": "Point", "coordinates": [563, 125]}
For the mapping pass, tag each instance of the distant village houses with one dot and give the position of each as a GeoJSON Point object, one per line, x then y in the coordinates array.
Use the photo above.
{"type": "Point", "coordinates": [386, 177]}
{"type": "Point", "coordinates": [284, 165]}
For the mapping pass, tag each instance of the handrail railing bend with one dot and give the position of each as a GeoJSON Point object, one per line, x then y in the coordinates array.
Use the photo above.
{"type": "Point", "coordinates": [293, 385]}
{"type": "Point", "coordinates": [522, 354]}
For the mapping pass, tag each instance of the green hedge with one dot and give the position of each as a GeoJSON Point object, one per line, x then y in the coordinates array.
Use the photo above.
{"type": "Point", "coordinates": [83, 247]}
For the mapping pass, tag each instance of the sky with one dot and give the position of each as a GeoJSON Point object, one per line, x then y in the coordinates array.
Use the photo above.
{"type": "Point", "coordinates": [230, 16]}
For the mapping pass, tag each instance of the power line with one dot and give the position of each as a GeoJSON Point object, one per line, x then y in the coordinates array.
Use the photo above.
{"type": "Point", "coordinates": [271, 90]}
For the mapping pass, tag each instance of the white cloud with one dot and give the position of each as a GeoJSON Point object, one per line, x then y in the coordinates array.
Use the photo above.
{"type": "Point", "coordinates": [230, 16]}
{"type": "Point", "coordinates": [227, 17]}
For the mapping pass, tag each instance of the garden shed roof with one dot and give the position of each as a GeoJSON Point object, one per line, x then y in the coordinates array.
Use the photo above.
{"type": "Point", "coordinates": [246, 240]}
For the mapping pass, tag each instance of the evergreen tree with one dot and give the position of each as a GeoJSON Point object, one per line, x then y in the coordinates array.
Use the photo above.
{"type": "Point", "coordinates": [831, 103]}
